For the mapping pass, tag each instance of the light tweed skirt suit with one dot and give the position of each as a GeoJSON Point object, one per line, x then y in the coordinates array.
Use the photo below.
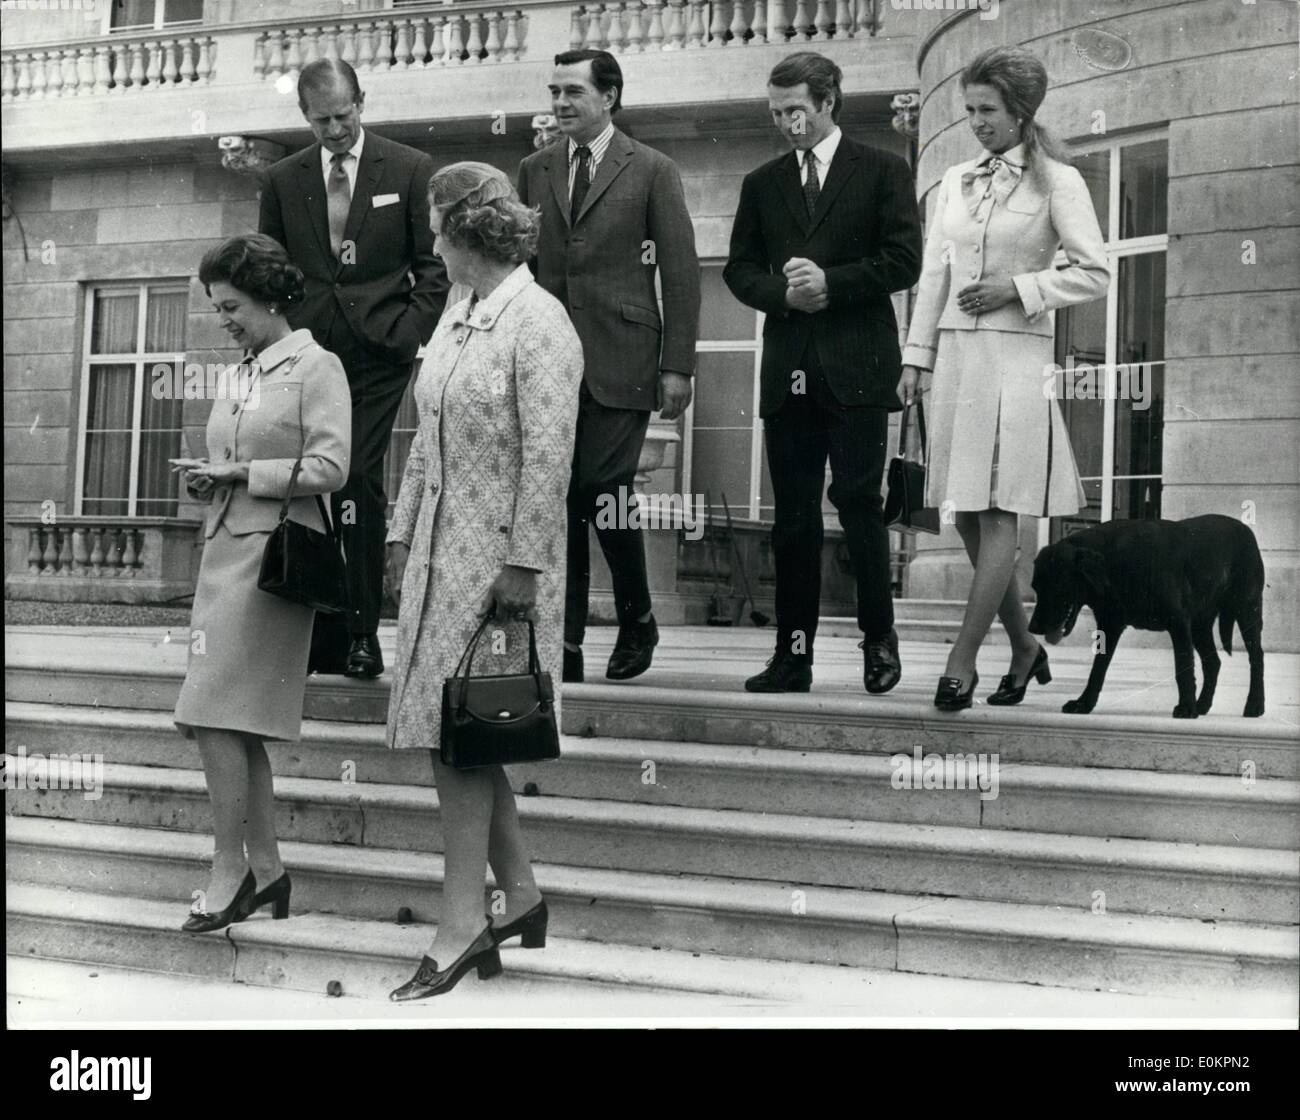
{"type": "Point", "coordinates": [248, 649]}
{"type": "Point", "coordinates": [484, 486]}
{"type": "Point", "coordinates": [997, 440]}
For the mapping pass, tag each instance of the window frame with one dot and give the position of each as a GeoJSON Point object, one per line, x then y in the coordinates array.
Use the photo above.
{"type": "Point", "coordinates": [139, 360]}
{"type": "Point", "coordinates": [159, 23]}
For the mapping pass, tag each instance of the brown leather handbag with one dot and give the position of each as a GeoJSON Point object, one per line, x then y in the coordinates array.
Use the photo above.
{"type": "Point", "coordinates": [905, 508]}
{"type": "Point", "coordinates": [494, 721]}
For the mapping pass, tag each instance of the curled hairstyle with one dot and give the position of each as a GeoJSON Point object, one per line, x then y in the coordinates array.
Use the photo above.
{"type": "Point", "coordinates": [481, 212]}
{"type": "Point", "coordinates": [821, 74]}
{"type": "Point", "coordinates": [606, 74]}
{"type": "Point", "coordinates": [1022, 81]}
{"type": "Point", "coordinates": [256, 265]}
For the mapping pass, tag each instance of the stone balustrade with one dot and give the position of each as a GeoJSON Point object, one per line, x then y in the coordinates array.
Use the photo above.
{"type": "Point", "coordinates": [452, 36]}
{"type": "Point", "coordinates": [116, 64]}
{"type": "Point", "coordinates": [102, 559]}
{"type": "Point", "coordinates": [636, 26]}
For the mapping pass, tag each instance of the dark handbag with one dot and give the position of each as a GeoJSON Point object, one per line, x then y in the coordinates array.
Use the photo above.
{"type": "Point", "coordinates": [905, 508]}
{"type": "Point", "coordinates": [302, 564]}
{"type": "Point", "coordinates": [493, 721]}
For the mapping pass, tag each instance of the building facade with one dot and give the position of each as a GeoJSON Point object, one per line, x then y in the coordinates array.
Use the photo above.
{"type": "Point", "coordinates": [133, 134]}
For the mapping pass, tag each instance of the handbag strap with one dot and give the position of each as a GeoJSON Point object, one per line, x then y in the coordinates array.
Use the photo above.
{"type": "Point", "coordinates": [331, 530]}
{"type": "Point", "coordinates": [920, 424]}
{"type": "Point", "coordinates": [467, 660]}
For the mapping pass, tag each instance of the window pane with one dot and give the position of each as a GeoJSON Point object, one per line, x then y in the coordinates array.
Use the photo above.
{"type": "Point", "coordinates": [106, 487]}
{"type": "Point", "coordinates": [1143, 189]}
{"type": "Point", "coordinates": [132, 13]}
{"type": "Point", "coordinates": [720, 463]}
{"type": "Point", "coordinates": [157, 486]}
{"type": "Point", "coordinates": [1095, 169]}
{"type": "Point", "coordinates": [724, 390]}
{"type": "Point", "coordinates": [722, 315]}
{"type": "Point", "coordinates": [164, 325]}
{"type": "Point", "coordinates": [113, 319]}
{"type": "Point", "coordinates": [108, 407]}
{"type": "Point", "coordinates": [400, 445]}
{"type": "Point", "coordinates": [1139, 409]}
{"type": "Point", "coordinates": [1081, 341]}
{"type": "Point", "coordinates": [182, 11]}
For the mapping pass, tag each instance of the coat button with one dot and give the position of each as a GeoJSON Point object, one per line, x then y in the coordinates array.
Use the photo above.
{"type": "Point", "coordinates": [433, 411]}
{"type": "Point", "coordinates": [433, 487]}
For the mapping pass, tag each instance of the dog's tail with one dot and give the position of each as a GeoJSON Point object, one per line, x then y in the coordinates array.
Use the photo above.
{"type": "Point", "coordinates": [1225, 628]}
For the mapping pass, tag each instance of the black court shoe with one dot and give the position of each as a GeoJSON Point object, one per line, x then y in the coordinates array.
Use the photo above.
{"type": "Point", "coordinates": [1009, 693]}
{"type": "Point", "coordinates": [428, 981]}
{"type": "Point", "coordinates": [531, 926]}
{"type": "Point", "coordinates": [277, 894]}
{"type": "Point", "coordinates": [239, 909]}
{"type": "Point", "coordinates": [949, 696]}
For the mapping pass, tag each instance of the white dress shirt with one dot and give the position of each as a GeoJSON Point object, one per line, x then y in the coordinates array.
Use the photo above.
{"type": "Point", "coordinates": [598, 146]}
{"type": "Point", "coordinates": [350, 164]}
{"type": "Point", "coordinates": [821, 154]}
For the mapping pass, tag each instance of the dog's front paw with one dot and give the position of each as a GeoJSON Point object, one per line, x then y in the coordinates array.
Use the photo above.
{"type": "Point", "coordinates": [1185, 711]}
{"type": "Point", "coordinates": [1254, 708]}
{"type": "Point", "coordinates": [1080, 707]}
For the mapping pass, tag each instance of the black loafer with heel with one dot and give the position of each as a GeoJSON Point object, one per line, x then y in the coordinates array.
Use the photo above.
{"type": "Point", "coordinates": [1010, 693]}
{"type": "Point", "coordinates": [950, 698]}
{"type": "Point", "coordinates": [429, 981]}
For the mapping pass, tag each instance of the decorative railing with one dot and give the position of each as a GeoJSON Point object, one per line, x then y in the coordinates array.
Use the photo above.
{"type": "Point", "coordinates": [671, 25]}
{"type": "Point", "coordinates": [134, 64]}
{"type": "Point", "coordinates": [397, 42]}
{"type": "Point", "coordinates": [107, 559]}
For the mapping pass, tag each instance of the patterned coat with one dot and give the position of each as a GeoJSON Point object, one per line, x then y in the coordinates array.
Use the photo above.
{"type": "Point", "coordinates": [484, 486]}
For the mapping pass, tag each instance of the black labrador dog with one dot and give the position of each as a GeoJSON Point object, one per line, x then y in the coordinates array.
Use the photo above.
{"type": "Point", "coordinates": [1177, 576]}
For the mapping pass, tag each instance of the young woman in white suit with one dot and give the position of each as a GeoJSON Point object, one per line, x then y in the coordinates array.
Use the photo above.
{"type": "Point", "coordinates": [998, 446]}
{"type": "Point", "coordinates": [247, 667]}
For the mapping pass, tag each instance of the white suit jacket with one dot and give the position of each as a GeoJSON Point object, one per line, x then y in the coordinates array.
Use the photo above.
{"type": "Point", "coordinates": [1049, 208]}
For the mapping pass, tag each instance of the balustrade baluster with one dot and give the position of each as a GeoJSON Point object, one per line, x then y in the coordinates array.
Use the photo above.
{"type": "Point", "coordinates": [514, 44]}
{"type": "Point", "coordinates": [310, 45]}
{"type": "Point", "coordinates": [137, 66]}
{"type": "Point", "coordinates": [348, 43]}
{"type": "Point", "coordinates": [8, 77]}
{"type": "Point", "coordinates": [187, 61]}
{"type": "Point", "coordinates": [492, 43]}
{"type": "Point", "coordinates": [23, 77]}
{"type": "Point", "coordinates": [383, 44]}
{"type": "Point", "coordinates": [102, 75]}
{"type": "Point", "coordinates": [617, 34]}
{"type": "Point", "coordinates": [677, 21]}
{"type": "Point", "coordinates": [259, 55]}
{"type": "Point", "coordinates": [738, 27]}
{"type": "Point", "coordinates": [97, 551]}
{"type": "Point", "coordinates": [577, 27]}
{"type": "Point", "coordinates": [65, 551]}
{"type": "Point", "coordinates": [131, 554]}
{"type": "Point", "coordinates": [455, 42]}
{"type": "Point", "coordinates": [113, 553]}
{"type": "Point", "coordinates": [402, 54]}
{"type": "Point", "coordinates": [365, 47]}
{"type": "Point", "coordinates": [169, 71]}
{"type": "Point", "coordinates": [799, 28]}
{"type": "Point", "coordinates": [85, 70]}
{"type": "Point", "coordinates": [593, 38]}
{"type": "Point", "coordinates": [655, 29]}
{"type": "Point", "coordinates": [39, 79]}
{"type": "Point", "coordinates": [34, 551]}
{"type": "Point", "coordinates": [80, 553]}
{"type": "Point", "coordinates": [843, 19]}
{"type": "Point", "coordinates": [329, 42]}
{"type": "Point", "coordinates": [419, 49]}
{"type": "Point", "coordinates": [777, 27]}
{"type": "Point", "coordinates": [635, 32]}
{"type": "Point", "coordinates": [758, 22]}
{"type": "Point", "coordinates": [475, 45]}
{"type": "Point", "coordinates": [153, 70]}
{"type": "Point", "coordinates": [822, 21]}
{"type": "Point", "coordinates": [717, 36]}
{"type": "Point", "coordinates": [62, 72]}
{"type": "Point", "coordinates": [207, 59]}
{"type": "Point", "coordinates": [50, 557]}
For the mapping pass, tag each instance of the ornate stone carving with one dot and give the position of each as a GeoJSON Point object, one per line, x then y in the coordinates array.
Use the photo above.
{"type": "Point", "coordinates": [907, 114]}
{"type": "Point", "coordinates": [248, 155]}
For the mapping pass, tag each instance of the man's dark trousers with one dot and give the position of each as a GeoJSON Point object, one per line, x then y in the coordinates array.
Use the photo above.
{"type": "Point", "coordinates": [809, 427]}
{"type": "Point", "coordinates": [377, 389]}
{"type": "Point", "coordinates": [606, 450]}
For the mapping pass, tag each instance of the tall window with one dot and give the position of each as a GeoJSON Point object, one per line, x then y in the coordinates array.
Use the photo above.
{"type": "Point", "coordinates": [1116, 433]}
{"type": "Point", "coordinates": [126, 434]}
{"type": "Point", "coordinates": [145, 15]}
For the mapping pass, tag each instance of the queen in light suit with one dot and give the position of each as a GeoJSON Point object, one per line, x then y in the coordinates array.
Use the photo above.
{"type": "Point", "coordinates": [983, 323]}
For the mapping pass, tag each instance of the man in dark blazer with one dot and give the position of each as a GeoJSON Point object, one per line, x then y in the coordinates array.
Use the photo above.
{"type": "Point", "coordinates": [353, 212]}
{"type": "Point", "coordinates": [613, 211]}
{"type": "Point", "coordinates": [821, 238]}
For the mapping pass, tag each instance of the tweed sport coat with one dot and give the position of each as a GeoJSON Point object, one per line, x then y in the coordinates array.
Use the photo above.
{"type": "Point", "coordinates": [484, 486]}
{"type": "Point", "coordinates": [394, 290]}
{"type": "Point", "coordinates": [865, 233]}
{"type": "Point", "coordinates": [602, 268]}
{"type": "Point", "coordinates": [1048, 209]}
{"type": "Point", "coordinates": [299, 405]}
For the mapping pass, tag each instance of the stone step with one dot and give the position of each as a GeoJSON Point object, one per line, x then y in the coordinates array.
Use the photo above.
{"type": "Point", "coordinates": [941, 945]}
{"type": "Point", "coordinates": [696, 697]}
{"type": "Point", "coordinates": [1038, 868]}
{"type": "Point", "coordinates": [1189, 808]}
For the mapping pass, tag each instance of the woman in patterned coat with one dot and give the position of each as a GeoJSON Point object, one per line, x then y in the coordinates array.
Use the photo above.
{"type": "Point", "coordinates": [479, 525]}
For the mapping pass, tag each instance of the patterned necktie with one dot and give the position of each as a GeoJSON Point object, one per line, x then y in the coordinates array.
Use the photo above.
{"type": "Point", "coordinates": [338, 198]}
{"type": "Point", "coordinates": [811, 188]}
{"type": "Point", "coordinates": [581, 182]}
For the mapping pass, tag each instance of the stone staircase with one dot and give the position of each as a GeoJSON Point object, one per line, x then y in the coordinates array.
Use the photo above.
{"type": "Point", "coordinates": [700, 840]}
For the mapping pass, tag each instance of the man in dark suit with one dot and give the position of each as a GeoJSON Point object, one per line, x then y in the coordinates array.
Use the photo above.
{"type": "Point", "coordinates": [822, 236]}
{"type": "Point", "coordinates": [353, 212]}
{"type": "Point", "coordinates": [613, 211]}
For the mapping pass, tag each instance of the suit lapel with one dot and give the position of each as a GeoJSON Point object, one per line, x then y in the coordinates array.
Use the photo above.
{"type": "Point", "coordinates": [368, 174]}
{"type": "Point", "coordinates": [841, 171]}
{"type": "Point", "coordinates": [557, 171]}
{"type": "Point", "coordinates": [312, 180]}
{"type": "Point", "coordinates": [788, 182]}
{"type": "Point", "coordinates": [616, 157]}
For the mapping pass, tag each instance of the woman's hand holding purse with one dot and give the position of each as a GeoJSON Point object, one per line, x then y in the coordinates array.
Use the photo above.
{"type": "Point", "coordinates": [513, 594]}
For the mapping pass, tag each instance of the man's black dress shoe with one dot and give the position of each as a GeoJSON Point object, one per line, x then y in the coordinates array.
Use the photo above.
{"type": "Point", "coordinates": [531, 927]}
{"type": "Point", "coordinates": [948, 697]}
{"type": "Point", "coordinates": [365, 659]}
{"type": "Point", "coordinates": [881, 668]}
{"type": "Point", "coordinates": [633, 651]}
{"type": "Point", "coordinates": [572, 666]}
{"type": "Point", "coordinates": [239, 909]}
{"type": "Point", "coordinates": [785, 672]}
{"type": "Point", "coordinates": [1009, 693]}
{"type": "Point", "coordinates": [428, 981]}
